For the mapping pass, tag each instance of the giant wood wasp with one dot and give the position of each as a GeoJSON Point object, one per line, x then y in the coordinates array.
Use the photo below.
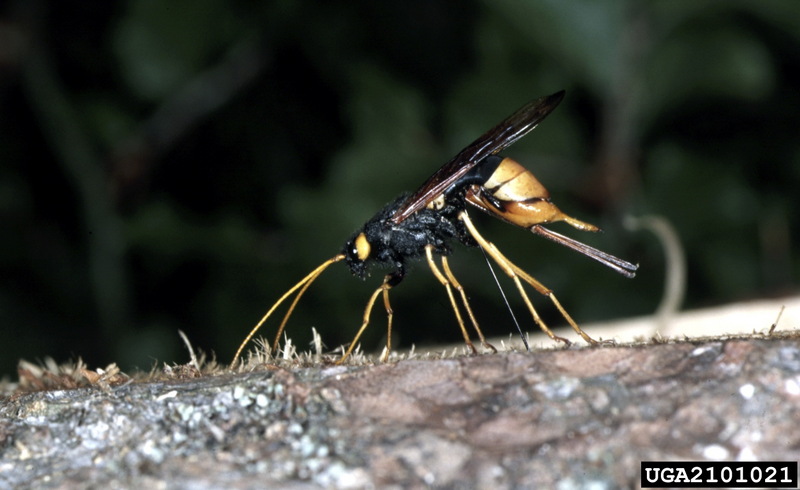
{"type": "Point", "coordinates": [425, 223]}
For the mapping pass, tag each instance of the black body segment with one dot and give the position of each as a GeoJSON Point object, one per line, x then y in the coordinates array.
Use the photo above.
{"type": "Point", "coordinates": [393, 245]}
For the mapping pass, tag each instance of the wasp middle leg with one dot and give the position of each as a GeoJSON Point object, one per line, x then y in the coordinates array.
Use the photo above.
{"type": "Point", "coordinates": [460, 289]}
{"type": "Point", "coordinates": [448, 280]}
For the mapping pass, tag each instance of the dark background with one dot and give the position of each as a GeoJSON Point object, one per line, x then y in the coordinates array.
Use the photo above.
{"type": "Point", "coordinates": [178, 165]}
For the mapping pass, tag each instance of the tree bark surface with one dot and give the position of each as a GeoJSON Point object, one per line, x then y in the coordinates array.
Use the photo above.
{"type": "Point", "coordinates": [570, 418]}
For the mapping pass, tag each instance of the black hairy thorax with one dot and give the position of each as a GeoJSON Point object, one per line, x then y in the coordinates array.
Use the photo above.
{"type": "Point", "coordinates": [392, 245]}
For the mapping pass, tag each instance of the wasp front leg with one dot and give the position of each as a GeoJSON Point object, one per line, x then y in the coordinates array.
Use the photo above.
{"type": "Point", "coordinates": [388, 282]}
{"type": "Point", "coordinates": [515, 273]}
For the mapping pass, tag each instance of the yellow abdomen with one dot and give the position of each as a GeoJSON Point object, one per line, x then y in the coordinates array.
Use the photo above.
{"type": "Point", "coordinates": [514, 194]}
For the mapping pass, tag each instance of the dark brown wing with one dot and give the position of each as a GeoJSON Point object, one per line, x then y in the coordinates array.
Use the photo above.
{"type": "Point", "coordinates": [492, 142]}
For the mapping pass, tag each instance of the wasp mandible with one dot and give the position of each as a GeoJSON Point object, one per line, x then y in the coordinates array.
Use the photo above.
{"type": "Point", "coordinates": [425, 224]}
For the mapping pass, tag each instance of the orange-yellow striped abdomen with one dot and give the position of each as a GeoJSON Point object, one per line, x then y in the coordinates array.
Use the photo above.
{"type": "Point", "coordinates": [514, 194]}
{"type": "Point", "coordinates": [513, 182]}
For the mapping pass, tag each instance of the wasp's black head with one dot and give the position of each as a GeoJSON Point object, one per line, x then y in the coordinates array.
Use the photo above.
{"type": "Point", "coordinates": [357, 252]}
{"type": "Point", "coordinates": [373, 243]}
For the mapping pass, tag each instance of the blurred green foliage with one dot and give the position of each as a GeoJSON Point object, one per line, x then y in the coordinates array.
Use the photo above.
{"type": "Point", "coordinates": [179, 165]}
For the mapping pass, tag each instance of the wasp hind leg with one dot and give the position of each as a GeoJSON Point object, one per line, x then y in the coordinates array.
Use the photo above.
{"type": "Point", "coordinates": [515, 273]}
{"type": "Point", "coordinates": [448, 280]}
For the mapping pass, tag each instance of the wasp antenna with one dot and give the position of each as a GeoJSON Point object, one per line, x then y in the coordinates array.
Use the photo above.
{"type": "Point", "coordinates": [304, 283]}
{"type": "Point", "coordinates": [623, 267]}
{"type": "Point", "coordinates": [310, 278]}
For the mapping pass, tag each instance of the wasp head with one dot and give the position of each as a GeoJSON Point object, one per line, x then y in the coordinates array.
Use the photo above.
{"type": "Point", "coordinates": [373, 242]}
{"type": "Point", "coordinates": [357, 252]}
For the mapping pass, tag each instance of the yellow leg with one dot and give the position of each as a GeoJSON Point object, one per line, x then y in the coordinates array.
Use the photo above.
{"type": "Point", "coordinates": [443, 280]}
{"type": "Point", "coordinates": [452, 279]}
{"type": "Point", "coordinates": [385, 287]}
{"type": "Point", "coordinates": [516, 273]}
{"type": "Point", "coordinates": [304, 284]}
{"type": "Point", "coordinates": [389, 314]}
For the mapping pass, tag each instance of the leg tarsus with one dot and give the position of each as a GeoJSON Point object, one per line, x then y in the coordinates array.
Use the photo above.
{"type": "Point", "coordinates": [566, 341]}
{"type": "Point", "coordinates": [571, 322]}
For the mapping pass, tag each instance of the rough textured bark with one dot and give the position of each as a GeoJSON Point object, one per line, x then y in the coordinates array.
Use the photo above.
{"type": "Point", "coordinates": [573, 418]}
